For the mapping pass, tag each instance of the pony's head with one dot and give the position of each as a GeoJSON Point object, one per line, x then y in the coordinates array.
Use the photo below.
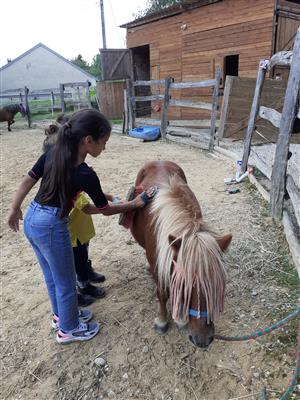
{"type": "Point", "coordinates": [197, 284]}
{"type": "Point", "coordinates": [189, 261]}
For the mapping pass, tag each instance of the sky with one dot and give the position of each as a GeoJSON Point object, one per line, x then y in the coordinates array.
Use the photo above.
{"type": "Point", "coordinates": [69, 27]}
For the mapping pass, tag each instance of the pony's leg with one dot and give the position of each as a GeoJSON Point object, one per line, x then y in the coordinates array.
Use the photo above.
{"type": "Point", "coordinates": [161, 321]}
{"type": "Point", "coordinates": [9, 123]}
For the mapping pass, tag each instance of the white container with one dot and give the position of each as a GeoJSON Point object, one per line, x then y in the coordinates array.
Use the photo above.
{"type": "Point", "coordinates": [238, 169]}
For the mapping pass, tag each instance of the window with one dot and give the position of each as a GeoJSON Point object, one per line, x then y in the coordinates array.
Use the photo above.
{"type": "Point", "coordinates": [231, 65]}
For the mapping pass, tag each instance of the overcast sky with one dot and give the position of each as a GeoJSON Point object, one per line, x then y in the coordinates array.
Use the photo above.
{"type": "Point", "coordinates": [68, 27]}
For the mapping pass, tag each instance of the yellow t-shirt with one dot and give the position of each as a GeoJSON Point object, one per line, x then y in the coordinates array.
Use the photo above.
{"type": "Point", "coordinates": [80, 225]}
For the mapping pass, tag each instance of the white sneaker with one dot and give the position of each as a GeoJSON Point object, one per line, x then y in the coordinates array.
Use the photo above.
{"type": "Point", "coordinates": [82, 333]}
{"type": "Point", "coordinates": [83, 315]}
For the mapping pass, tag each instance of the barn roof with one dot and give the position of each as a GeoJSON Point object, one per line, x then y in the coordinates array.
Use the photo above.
{"type": "Point", "coordinates": [51, 51]}
{"type": "Point", "coordinates": [169, 12]}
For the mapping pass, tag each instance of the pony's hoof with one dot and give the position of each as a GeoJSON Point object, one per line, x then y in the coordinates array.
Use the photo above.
{"type": "Point", "coordinates": [161, 329]}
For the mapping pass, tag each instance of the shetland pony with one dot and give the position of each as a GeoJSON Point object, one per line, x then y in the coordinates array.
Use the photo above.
{"type": "Point", "coordinates": [7, 113]}
{"type": "Point", "coordinates": [184, 254]}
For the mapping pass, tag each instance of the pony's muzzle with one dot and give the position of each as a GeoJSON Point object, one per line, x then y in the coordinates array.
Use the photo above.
{"type": "Point", "coordinates": [202, 341]}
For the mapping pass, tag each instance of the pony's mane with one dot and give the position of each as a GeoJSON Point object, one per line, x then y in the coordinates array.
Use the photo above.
{"type": "Point", "coordinates": [199, 264]}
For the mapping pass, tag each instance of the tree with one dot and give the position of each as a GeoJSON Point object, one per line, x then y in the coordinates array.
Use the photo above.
{"type": "Point", "coordinates": [157, 5]}
{"type": "Point", "coordinates": [95, 68]}
{"type": "Point", "coordinates": [80, 62]}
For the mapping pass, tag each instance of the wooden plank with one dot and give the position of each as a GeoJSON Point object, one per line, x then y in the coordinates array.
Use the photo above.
{"type": "Point", "coordinates": [147, 121]}
{"type": "Point", "coordinates": [282, 58]}
{"type": "Point", "coordinates": [149, 98]}
{"type": "Point", "coordinates": [191, 104]}
{"type": "Point", "coordinates": [188, 85]}
{"type": "Point", "coordinates": [254, 111]}
{"type": "Point", "coordinates": [265, 194]}
{"type": "Point", "coordinates": [225, 105]}
{"type": "Point", "coordinates": [286, 125]}
{"type": "Point", "coordinates": [182, 131]}
{"type": "Point", "coordinates": [74, 84]}
{"type": "Point", "coordinates": [214, 110]}
{"type": "Point", "coordinates": [149, 83]}
{"type": "Point", "coordinates": [192, 122]}
{"type": "Point", "coordinates": [270, 115]}
{"type": "Point", "coordinates": [292, 240]}
{"type": "Point", "coordinates": [200, 144]}
{"type": "Point", "coordinates": [164, 114]}
{"type": "Point", "coordinates": [294, 194]}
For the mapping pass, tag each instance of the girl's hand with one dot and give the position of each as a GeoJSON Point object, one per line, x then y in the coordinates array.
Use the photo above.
{"type": "Point", "coordinates": [13, 219]}
{"type": "Point", "coordinates": [144, 198]}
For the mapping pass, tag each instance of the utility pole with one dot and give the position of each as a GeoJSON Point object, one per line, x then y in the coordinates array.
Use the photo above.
{"type": "Point", "coordinates": [103, 24]}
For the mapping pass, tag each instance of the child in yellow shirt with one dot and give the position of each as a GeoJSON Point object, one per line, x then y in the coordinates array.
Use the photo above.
{"type": "Point", "coordinates": [82, 230]}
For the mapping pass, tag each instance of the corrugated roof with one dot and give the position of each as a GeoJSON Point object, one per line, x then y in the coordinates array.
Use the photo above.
{"type": "Point", "coordinates": [169, 12]}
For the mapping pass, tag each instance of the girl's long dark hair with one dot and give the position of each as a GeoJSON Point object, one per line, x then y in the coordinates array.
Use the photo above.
{"type": "Point", "coordinates": [63, 157]}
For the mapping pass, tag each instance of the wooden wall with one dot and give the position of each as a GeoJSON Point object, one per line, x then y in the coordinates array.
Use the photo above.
{"type": "Point", "coordinates": [111, 98]}
{"type": "Point", "coordinates": [189, 46]}
{"type": "Point", "coordinates": [235, 113]}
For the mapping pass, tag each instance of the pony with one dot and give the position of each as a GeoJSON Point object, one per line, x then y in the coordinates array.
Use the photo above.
{"type": "Point", "coordinates": [184, 254]}
{"type": "Point", "coordinates": [7, 113]}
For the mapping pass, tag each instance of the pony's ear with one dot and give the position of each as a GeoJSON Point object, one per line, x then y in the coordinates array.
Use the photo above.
{"type": "Point", "coordinates": [224, 241]}
{"type": "Point", "coordinates": [175, 243]}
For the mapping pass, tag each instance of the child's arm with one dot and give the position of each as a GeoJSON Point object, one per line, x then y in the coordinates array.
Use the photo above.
{"type": "Point", "coordinates": [15, 213]}
{"type": "Point", "coordinates": [111, 209]}
{"type": "Point", "coordinates": [90, 209]}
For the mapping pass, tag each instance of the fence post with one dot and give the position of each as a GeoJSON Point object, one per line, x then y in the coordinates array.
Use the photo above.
{"type": "Point", "coordinates": [62, 100]}
{"type": "Point", "coordinates": [52, 102]}
{"type": "Point", "coordinates": [164, 114]}
{"type": "Point", "coordinates": [254, 111]}
{"type": "Point", "coordinates": [26, 90]}
{"type": "Point", "coordinates": [131, 104]}
{"type": "Point", "coordinates": [278, 179]}
{"type": "Point", "coordinates": [214, 111]}
{"type": "Point", "coordinates": [125, 113]}
{"type": "Point", "coordinates": [88, 95]}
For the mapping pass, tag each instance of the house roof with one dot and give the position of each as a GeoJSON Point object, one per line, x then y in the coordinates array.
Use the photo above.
{"type": "Point", "coordinates": [51, 51]}
{"type": "Point", "coordinates": [169, 12]}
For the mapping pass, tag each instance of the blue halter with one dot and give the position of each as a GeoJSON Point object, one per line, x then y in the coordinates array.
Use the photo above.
{"type": "Point", "coordinates": [197, 314]}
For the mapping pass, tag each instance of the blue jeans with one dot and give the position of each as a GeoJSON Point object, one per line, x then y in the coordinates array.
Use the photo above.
{"type": "Point", "coordinates": [49, 236]}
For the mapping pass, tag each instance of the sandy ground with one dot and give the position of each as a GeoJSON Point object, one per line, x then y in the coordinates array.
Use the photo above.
{"type": "Point", "coordinates": [140, 364]}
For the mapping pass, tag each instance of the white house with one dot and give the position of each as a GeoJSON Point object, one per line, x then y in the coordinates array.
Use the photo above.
{"type": "Point", "coordinates": [41, 68]}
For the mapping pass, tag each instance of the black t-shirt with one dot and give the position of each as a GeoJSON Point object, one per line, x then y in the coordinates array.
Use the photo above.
{"type": "Point", "coordinates": [83, 179]}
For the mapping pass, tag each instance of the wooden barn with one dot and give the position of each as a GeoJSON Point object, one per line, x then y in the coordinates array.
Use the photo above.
{"type": "Point", "coordinates": [189, 41]}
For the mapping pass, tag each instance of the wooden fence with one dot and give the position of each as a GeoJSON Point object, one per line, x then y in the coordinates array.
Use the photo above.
{"type": "Point", "coordinates": [236, 106]}
{"type": "Point", "coordinates": [206, 138]}
{"type": "Point", "coordinates": [281, 182]}
{"type": "Point", "coordinates": [74, 94]}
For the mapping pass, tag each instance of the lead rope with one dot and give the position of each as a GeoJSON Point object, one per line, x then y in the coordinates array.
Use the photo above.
{"type": "Point", "coordinates": [265, 331]}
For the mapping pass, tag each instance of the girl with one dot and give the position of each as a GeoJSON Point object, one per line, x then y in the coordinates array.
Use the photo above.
{"type": "Point", "coordinates": [63, 174]}
{"type": "Point", "coordinates": [81, 229]}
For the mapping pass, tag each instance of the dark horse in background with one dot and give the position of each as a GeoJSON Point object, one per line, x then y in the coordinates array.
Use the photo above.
{"type": "Point", "coordinates": [184, 254]}
{"type": "Point", "coordinates": [7, 113]}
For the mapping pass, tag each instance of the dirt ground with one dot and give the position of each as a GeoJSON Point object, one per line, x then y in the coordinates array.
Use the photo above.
{"type": "Point", "coordinates": [139, 364]}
